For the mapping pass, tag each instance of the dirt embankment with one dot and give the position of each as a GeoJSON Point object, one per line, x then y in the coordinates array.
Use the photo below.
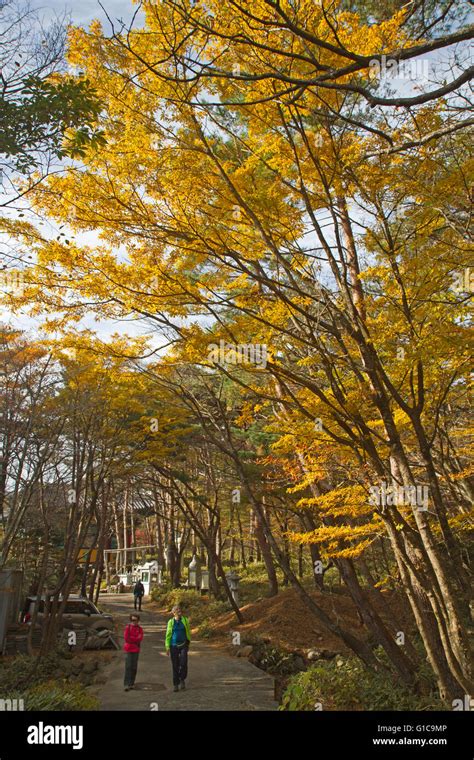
{"type": "Point", "coordinates": [287, 623]}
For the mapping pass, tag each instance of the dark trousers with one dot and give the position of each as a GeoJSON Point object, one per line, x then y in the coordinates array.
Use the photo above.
{"type": "Point", "coordinates": [138, 601]}
{"type": "Point", "coordinates": [179, 661]}
{"type": "Point", "coordinates": [131, 665]}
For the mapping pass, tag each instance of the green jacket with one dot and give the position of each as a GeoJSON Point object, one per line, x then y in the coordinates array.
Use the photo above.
{"type": "Point", "coordinates": [169, 630]}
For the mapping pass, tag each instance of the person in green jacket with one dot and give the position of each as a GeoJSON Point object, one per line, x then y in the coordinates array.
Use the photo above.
{"type": "Point", "coordinates": [178, 639]}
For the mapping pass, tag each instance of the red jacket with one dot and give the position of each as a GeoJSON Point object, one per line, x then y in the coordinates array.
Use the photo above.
{"type": "Point", "coordinates": [133, 635]}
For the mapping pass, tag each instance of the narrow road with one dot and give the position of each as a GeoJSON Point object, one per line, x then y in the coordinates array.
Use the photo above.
{"type": "Point", "coordinates": [216, 680]}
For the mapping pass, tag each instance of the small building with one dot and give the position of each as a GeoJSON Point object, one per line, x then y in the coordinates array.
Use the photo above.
{"type": "Point", "coordinates": [126, 578]}
{"type": "Point", "coordinates": [149, 573]}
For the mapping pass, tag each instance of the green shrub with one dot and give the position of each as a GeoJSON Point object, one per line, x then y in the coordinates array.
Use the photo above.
{"type": "Point", "coordinates": [199, 609]}
{"type": "Point", "coordinates": [56, 695]}
{"type": "Point", "coordinates": [348, 685]}
{"type": "Point", "coordinates": [35, 681]}
{"type": "Point", "coordinates": [205, 630]}
{"type": "Point", "coordinates": [25, 672]}
{"type": "Point", "coordinates": [187, 598]}
{"type": "Point", "coordinates": [159, 594]}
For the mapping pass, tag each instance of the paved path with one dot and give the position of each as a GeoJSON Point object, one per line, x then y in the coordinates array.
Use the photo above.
{"type": "Point", "coordinates": [216, 680]}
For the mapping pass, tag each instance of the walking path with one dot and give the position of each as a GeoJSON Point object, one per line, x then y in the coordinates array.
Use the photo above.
{"type": "Point", "coordinates": [216, 680]}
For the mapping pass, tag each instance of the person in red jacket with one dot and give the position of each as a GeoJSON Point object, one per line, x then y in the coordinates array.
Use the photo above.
{"type": "Point", "coordinates": [133, 636]}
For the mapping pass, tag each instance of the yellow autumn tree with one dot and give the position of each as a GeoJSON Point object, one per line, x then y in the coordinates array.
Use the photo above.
{"type": "Point", "coordinates": [246, 186]}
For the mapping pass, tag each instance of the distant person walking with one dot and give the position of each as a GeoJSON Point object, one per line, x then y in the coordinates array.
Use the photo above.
{"type": "Point", "coordinates": [133, 636]}
{"type": "Point", "coordinates": [178, 639]}
{"type": "Point", "coordinates": [138, 594]}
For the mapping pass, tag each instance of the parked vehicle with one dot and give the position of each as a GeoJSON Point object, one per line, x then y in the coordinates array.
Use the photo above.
{"type": "Point", "coordinates": [79, 612]}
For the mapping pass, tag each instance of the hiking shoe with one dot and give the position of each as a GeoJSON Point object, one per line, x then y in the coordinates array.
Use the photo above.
{"type": "Point", "coordinates": [127, 688]}
{"type": "Point", "coordinates": [183, 686]}
{"type": "Point", "coordinates": [176, 688]}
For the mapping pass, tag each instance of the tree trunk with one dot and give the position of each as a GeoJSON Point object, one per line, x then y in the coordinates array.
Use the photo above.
{"type": "Point", "coordinates": [267, 555]}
